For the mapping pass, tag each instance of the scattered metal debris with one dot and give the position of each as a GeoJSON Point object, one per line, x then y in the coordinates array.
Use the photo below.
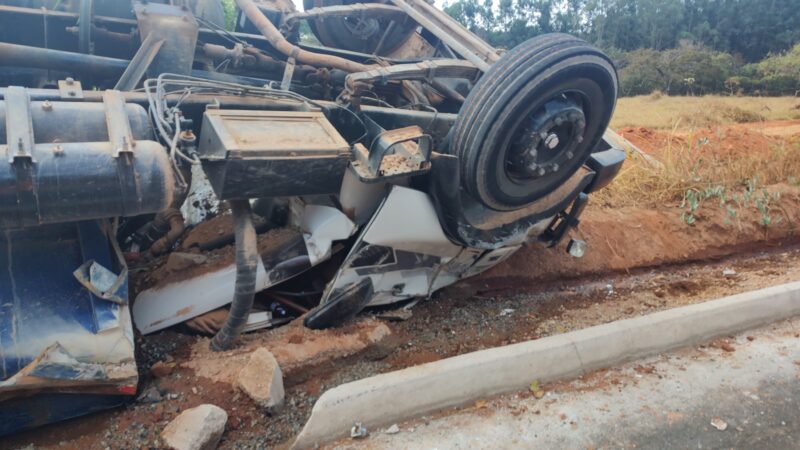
{"type": "Point", "coordinates": [359, 431]}
{"type": "Point", "coordinates": [729, 274]}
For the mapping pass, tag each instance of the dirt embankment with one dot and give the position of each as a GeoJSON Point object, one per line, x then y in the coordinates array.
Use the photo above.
{"type": "Point", "coordinates": [628, 238]}
{"type": "Point", "coordinates": [717, 142]}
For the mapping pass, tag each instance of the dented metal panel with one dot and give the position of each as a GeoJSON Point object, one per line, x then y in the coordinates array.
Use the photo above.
{"type": "Point", "coordinates": [55, 335]}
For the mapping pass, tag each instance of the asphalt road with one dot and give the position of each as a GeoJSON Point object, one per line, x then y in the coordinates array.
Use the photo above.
{"type": "Point", "coordinates": [749, 385]}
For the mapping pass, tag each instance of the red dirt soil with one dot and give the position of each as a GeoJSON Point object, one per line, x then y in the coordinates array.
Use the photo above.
{"type": "Point", "coordinates": [719, 142]}
{"type": "Point", "coordinates": [627, 238]}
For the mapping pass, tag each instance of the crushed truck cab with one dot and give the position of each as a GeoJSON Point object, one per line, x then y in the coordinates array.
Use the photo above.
{"type": "Point", "coordinates": [161, 169]}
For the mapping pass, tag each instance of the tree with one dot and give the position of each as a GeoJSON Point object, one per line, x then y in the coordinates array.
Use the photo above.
{"type": "Point", "coordinates": [751, 29]}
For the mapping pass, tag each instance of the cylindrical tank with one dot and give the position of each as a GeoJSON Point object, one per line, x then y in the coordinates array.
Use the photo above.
{"type": "Point", "coordinates": [74, 173]}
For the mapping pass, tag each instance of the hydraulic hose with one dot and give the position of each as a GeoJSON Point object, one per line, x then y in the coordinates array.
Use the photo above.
{"type": "Point", "coordinates": [171, 220]}
{"type": "Point", "coordinates": [246, 270]}
{"type": "Point", "coordinates": [280, 43]}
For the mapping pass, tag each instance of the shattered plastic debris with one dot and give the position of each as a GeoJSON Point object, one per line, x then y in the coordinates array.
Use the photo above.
{"type": "Point", "coordinates": [719, 424]}
{"type": "Point", "coordinates": [507, 312]}
{"type": "Point", "coordinates": [359, 431]}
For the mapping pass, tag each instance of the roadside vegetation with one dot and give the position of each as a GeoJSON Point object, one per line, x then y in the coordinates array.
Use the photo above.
{"type": "Point", "coordinates": [682, 113]}
{"type": "Point", "coordinates": [708, 153]}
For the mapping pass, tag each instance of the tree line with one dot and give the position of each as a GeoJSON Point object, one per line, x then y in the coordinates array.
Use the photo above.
{"type": "Point", "coordinates": [675, 46]}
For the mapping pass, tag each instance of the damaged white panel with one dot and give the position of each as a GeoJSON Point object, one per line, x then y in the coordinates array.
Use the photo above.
{"type": "Point", "coordinates": [322, 226]}
{"type": "Point", "coordinates": [159, 308]}
{"type": "Point", "coordinates": [408, 221]}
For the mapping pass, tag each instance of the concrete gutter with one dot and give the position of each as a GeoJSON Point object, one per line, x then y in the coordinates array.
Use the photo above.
{"type": "Point", "coordinates": [393, 397]}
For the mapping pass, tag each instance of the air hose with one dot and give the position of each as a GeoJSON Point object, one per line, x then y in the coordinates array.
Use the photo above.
{"type": "Point", "coordinates": [246, 270]}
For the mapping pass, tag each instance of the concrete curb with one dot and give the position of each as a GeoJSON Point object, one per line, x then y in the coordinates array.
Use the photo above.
{"type": "Point", "coordinates": [393, 397]}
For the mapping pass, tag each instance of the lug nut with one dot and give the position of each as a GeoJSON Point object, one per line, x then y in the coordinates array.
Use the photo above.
{"type": "Point", "coordinates": [552, 141]}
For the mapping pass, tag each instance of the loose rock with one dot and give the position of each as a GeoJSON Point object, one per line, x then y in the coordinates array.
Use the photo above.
{"type": "Point", "coordinates": [150, 395]}
{"type": "Point", "coordinates": [719, 424]}
{"type": "Point", "coordinates": [394, 429]}
{"type": "Point", "coordinates": [161, 369]}
{"type": "Point", "coordinates": [181, 261]}
{"type": "Point", "coordinates": [262, 380]}
{"type": "Point", "coordinates": [198, 428]}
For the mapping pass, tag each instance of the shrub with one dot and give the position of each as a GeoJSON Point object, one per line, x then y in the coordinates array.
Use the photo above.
{"type": "Point", "coordinates": [688, 69]}
{"type": "Point", "coordinates": [694, 70]}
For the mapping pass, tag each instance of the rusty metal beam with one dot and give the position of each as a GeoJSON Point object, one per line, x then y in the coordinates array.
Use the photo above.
{"type": "Point", "coordinates": [465, 43]}
{"type": "Point", "coordinates": [279, 42]}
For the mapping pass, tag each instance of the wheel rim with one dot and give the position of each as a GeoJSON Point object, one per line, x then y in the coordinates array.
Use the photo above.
{"type": "Point", "coordinates": [570, 94]}
{"type": "Point", "coordinates": [547, 140]}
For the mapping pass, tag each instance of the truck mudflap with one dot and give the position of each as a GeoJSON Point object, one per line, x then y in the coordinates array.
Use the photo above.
{"type": "Point", "coordinates": [66, 337]}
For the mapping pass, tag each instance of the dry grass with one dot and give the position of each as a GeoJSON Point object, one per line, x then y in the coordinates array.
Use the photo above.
{"type": "Point", "coordinates": [678, 169]}
{"type": "Point", "coordinates": [684, 164]}
{"type": "Point", "coordinates": [658, 111]}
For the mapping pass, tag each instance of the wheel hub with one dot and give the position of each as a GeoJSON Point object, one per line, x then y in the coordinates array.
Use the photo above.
{"type": "Point", "coordinates": [361, 27]}
{"type": "Point", "coordinates": [546, 142]}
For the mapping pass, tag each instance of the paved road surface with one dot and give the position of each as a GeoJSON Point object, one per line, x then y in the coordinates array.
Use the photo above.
{"type": "Point", "coordinates": [750, 383]}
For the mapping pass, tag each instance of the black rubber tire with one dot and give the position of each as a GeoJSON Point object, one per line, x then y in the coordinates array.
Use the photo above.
{"type": "Point", "coordinates": [334, 33]}
{"type": "Point", "coordinates": [523, 80]}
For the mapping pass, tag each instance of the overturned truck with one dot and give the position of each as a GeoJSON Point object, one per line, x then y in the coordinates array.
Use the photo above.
{"type": "Point", "coordinates": [395, 155]}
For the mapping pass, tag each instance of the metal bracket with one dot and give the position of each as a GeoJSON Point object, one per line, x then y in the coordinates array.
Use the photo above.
{"type": "Point", "coordinates": [119, 129]}
{"type": "Point", "coordinates": [140, 63]}
{"type": "Point", "coordinates": [20, 140]}
{"type": "Point", "coordinates": [177, 27]}
{"type": "Point", "coordinates": [70, 89]}
{"type": "Point", "coordinates": [564, 222]}
{"type": "Point", "coordinates": [288, 74]}
{"type": "Point", "coordinates": [121, 138]}
{"type": "Point", "coordinates": [19, 125]}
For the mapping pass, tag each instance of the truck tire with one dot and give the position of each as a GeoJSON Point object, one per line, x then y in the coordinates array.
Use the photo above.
{"type": "Point", "coordinates": [533, 120]}
{"type": "Point", "coordinates": [343, 33]}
